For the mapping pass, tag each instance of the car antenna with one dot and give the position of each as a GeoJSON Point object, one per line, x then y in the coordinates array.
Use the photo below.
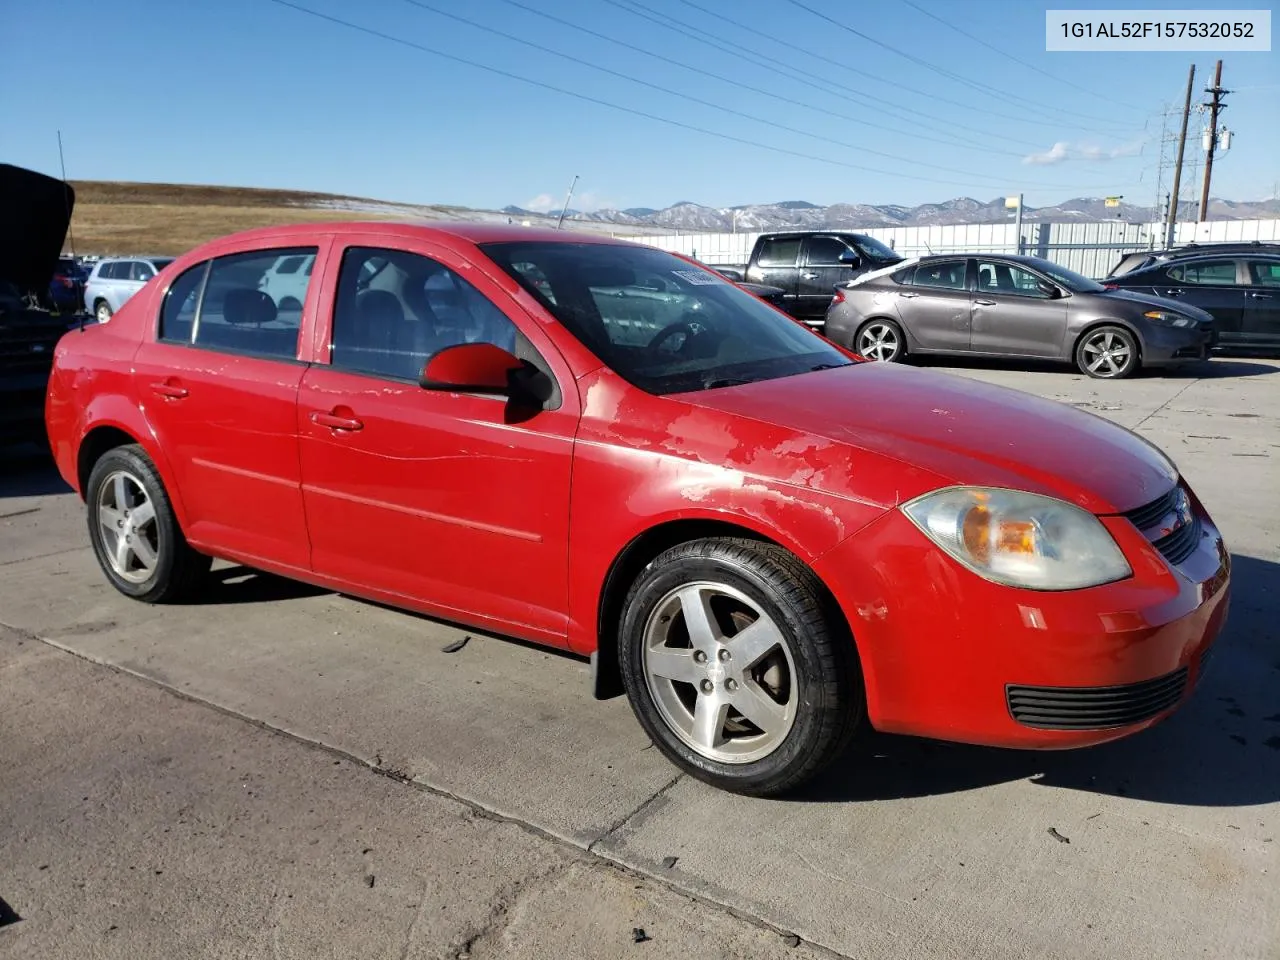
{"type": "Point", "coordinates": [66, 201]}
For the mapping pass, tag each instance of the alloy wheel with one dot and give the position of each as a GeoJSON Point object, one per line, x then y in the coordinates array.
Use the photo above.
{"type": "Point", "coordinates": [127, 521]}
{"type": "Point", "coordinates": [879, 341]}
{"type": "Point", "coordinates": [1106, 354]}
{"type": "Point", "coordinates": [720, 672]}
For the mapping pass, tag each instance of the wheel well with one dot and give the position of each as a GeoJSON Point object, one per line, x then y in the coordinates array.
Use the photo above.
{"type": "Point", "coordinates": [97, 442]}
{"type": "Point", "coordinates": [1075, 347]}
{"type": "Point", "coordinates": [635, 556]}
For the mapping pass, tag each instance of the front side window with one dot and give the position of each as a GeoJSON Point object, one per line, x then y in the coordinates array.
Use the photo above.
{"type": "Point", "coordinates": [1214, 273]}
{"type": "Point", "coordinates": [396, 309]}
{"type": "Point", "coordinates": [941, 275]}
{"type": "Point", "coordinates": [874, 249]}
{"type": "Point", "coordinates": [141, 271]}
{"type": "Point", "coordinates": [780, 252]}
{"type": "Point", "coordinates": [662, 323]}
{"type": "Point", "coordinates": [237, 315]}
{"type": "Point", "coordinates": [826, 252]}
{"type": "Point", "coordinates": [1264, 273]}
{"type": "Point", "coordinates": [997, 277]}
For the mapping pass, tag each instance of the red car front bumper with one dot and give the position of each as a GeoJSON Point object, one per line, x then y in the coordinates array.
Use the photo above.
{"type": "Point", "coordinates": [947, 654]}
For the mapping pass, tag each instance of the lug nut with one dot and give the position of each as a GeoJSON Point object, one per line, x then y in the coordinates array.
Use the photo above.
{"type": "Point", "coordinates": [731, 685]}
{"type": "Point", "coordinates": [707, 686]}
{"type": "Point", "coordinates": [699, 656]}
{"type": "Point", "coordinates": [724, 656]}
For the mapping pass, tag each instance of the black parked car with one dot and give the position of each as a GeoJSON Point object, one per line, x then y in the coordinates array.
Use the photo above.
{"type": "Point", "coordinates": [1147, 258]}
{"type": "Point", "coordinates": [1241, 290]}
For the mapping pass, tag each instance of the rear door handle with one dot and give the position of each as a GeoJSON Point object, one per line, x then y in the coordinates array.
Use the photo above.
{"type": "Point", "coordinates": [1258, 296]}
{"type": "Point", "coordinates": [335, 422]}
{"type": "Point", "coordinates": [1172, 293]}
{"type": "Point", "coordinates": [808, 276]}
{"type": "Point", "coordinates": [985, 303]}
{"type": "Point", "coordinates": [169, 390]}
{"type": "Point", "coordinates": [908, 296]}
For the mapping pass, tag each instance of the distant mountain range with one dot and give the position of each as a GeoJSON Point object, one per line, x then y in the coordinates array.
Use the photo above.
{"type": "Point", "coordinates": [801, 215]}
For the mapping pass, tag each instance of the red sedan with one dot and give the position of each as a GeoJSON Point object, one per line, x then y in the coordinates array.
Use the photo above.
{"type": "Point", "coordinates": [602, 447]}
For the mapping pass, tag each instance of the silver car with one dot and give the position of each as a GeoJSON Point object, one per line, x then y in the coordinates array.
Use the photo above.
{"type": "Point", "coordinates": [115, 279]}
{"type": "Point", "coordinates": [1013, 306]}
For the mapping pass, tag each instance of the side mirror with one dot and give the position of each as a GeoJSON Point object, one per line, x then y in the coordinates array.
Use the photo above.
{"type": "Point", "coordinates": [485, 368]}
{"type": "Point", "coordinates": [851, 259]}
{"type": "Point", "coordinates": [1048, 289]}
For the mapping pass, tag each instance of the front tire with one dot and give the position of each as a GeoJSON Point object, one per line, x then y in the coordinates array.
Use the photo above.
{"type": "Point", "coordinates": [102, 311]}
{"type": "Point", "coordinates": [134, 532]}
{"type": "Point", "coordinates": [738, 665]}
{"type": "Point", "coordinates": [881, 340]}
{"type": "Point", "coordinates": [1107, 353]}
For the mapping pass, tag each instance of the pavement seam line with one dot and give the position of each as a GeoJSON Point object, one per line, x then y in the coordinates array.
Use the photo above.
{"type": "Point", "coordinates": [42, 556]}
{"type": "Point", "coordinates": [627, 818]}
{"type": "Point", "coordinates": [476, 807]}
{"type": "Point", "coordinates": [1166, 403]}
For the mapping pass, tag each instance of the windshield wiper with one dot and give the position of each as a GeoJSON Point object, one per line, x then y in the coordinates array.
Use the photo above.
{"type": "Point", "coordinates": [827, 366]}
{"type": "Point", "coordinates": [724, 382]}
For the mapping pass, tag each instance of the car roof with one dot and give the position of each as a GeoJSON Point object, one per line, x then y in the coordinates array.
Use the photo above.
{"type": "Point", "coordinates": [468, 231]}
{"type": "Point", "coordinates": [1022, 258]}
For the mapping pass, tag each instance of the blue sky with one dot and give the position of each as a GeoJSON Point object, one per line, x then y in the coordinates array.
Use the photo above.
{"type": "Point", "coordinates": [252, 93]}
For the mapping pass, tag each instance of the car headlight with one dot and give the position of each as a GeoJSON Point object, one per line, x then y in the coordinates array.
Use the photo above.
{"type": "Point", "coordinates": [1020, 539]}
{"type": "Point", "coordinates": [1167, 319]}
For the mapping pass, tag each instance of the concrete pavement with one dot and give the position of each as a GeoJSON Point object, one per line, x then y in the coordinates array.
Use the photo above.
{"type": "Point", "coordinates": [909, 848]}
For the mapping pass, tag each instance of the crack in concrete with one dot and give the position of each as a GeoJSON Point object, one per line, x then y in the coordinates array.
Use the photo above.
{"type": "Point", "coordinates": [1166, 403]}
{"type": "Point", "coordinates": [501, 912]}
{"type": "Point", "coordinates": [42, 556]}
{"type": "Point", "coordinates": [476, 808]}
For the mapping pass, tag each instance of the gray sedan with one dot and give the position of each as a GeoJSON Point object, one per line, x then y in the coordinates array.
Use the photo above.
{"type": "Point", "coordinates": [1012, 306]}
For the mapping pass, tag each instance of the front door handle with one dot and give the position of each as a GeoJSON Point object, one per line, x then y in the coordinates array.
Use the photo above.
{"type": "Point", "coordinates": [808, 276]}
{"type": "Point", "coordinates": [169, 389]}
{"type": "Point", "coordinates": [335, 422]}
{"type": "Point", "coordinates": [1258, 296]}
{"type": "Point", "coordinates": [985, 303]}
{"type": "Point", "coordinates": [1172, 293]}
{"type": "Point", "coordinates": [908, 296]}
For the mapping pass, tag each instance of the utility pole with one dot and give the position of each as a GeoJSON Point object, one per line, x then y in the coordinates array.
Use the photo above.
{"type": "Point", "coordinates": [1171, 221]}
{"type": "Point", "coordinates": [568, 197]}
{"type": "Point", "coordinates": [71, 233]}
{"type": "Point", "coordinates": [1215, 105]}
{"type": "Point", "coordinates": [1017, 227]}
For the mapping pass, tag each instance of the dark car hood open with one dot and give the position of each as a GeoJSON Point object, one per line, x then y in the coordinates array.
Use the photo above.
{"type": "Point", "coordinates": [35, 212]}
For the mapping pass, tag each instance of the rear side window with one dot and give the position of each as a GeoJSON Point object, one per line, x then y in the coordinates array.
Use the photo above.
{"type": "Point", "coordinates": [240, 313]}
{"type": "Point", "coordinates": [942, 275]}
{"type": "Point", "coordinates": [178, 316]}
{"type": "Point", "coordinates": [1218, 273]}
{"type": "Point", "coordinates": [108, 271]}
{"type": "Point", "coordinates": [780, 252]}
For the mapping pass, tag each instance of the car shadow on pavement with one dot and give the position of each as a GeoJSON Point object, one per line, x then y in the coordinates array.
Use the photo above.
{"type": "Point", "coordinates": [1219, 366]}
{"type": "Point", "coordinates": [237, 584]}
{"type": "Point", "coordinates": [28, 471]}
{"type": "Point", "coordinates": [1222, 749]}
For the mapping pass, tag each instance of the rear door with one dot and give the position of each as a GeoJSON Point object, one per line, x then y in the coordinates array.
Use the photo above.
{"type": "Point", "coordinates": [1012, 315]}
{"type": "Point", "coordinates": [220, 385]}
{"type": "Point", "coordinates": [778, 265]}
{"type": "Point", "coordinates": [1260, 321]}
{"type": "Point", "coordinates": [821, 272]}
{"type": "Point", "coordinates": [935, 307]}
{"type": "Point", "coordinates": [1213, 285]}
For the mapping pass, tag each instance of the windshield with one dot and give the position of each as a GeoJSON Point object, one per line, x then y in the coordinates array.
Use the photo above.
{"type": "Point", "coordinates": [660, 322]}
{"type": "Point", "coordinates": [871, 247]}
{"type": "Point", "coordinates": [1075, 282]}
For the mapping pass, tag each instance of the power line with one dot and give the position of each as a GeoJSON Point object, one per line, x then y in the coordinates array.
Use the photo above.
{"type": "Point", "coordinates": [790, 101]}
{"type": "Point", "coordinates": [423, 48]}
{"type": "Point", "coordinates": [941, 71]}
{"type": "Point", "coordinates": [781, 68]}
{"type": "Point", "coordinates": [1018, 60]}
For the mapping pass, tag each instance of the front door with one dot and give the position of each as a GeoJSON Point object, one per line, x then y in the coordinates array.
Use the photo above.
{"type": "Point", "coordinates": [1212, 285]}
{"type": "Point", "coordinates": [220, 388]}
{"type": "Point", "coordinates": [1260, 321]}
{"type": "Point", "coordinates": [455, 500]}
{"type": "Point", "coordinates": [819, 276]}
{"type": "Point", "coordinates": [934, 305]}
{"type": "Point", "coordinates": [1013, 315]}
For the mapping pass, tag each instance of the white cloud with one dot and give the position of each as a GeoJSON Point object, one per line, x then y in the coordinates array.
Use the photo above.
{"type": "Point", "coordinates": [542, 203]}
{"type": "Point", "coordinates": [1063, 150]}
{"type": "Point", "coordinates": [585, 199]}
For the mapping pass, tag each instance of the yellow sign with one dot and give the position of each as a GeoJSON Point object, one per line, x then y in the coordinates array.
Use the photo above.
{"type": "Point", "coordinates": [1011, 203]}
{"type": "Point", "coordinates": [1112, 201]}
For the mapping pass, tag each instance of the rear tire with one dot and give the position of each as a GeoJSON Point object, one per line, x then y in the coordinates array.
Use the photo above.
{"type": "Point", "coordinates": [739, 666]}
{"type": "Point", "coordinates": [134, 532]}
{"type": "Point", "coordinates": [881, 340]}
{"type": "Point", "coordinates": [102, 311]}
{"type": "Point", "coordinates": [1108, 353]}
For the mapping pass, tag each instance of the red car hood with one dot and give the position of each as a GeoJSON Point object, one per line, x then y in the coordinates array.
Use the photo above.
{"type": "Point", "coordinates": [961, 430]}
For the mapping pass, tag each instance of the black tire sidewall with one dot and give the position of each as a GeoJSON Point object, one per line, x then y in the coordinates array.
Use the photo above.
{"type": "Point", "coordinates": [1135, 358]}
{"type": "Point", "coordinates": [653, 584]}
{"type": "Point", "coordinates": [133, 461]}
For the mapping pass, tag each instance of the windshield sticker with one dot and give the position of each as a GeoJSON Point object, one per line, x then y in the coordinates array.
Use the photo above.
{"type": "Point", "coordinates": [697, 277]}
